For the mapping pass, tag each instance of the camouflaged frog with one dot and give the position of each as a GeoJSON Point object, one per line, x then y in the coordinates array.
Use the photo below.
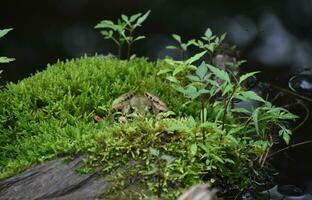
{"type": "Point", "coordinates": [134, 104]}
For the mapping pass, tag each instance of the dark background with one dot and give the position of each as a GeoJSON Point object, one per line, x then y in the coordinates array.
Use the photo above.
{"type": "Point", "coordinates": [270, 34]}
{"type": "Point", "coordinates": [274, 36]}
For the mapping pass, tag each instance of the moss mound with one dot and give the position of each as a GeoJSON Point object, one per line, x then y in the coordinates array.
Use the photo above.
{"type": "Point", "coordinates": [52, 112]}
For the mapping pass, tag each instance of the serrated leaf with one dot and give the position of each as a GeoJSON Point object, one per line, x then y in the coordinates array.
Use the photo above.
{"type": "Point", "coordinates": [223, 75]}
{"type": "Point", "coordinates": [195, 57]}
{"type": "Point", "coordinates": [252, 96]}
{"type": "Point", "coordinates": [246, 76]}
{"type": "Point", "coordinates": [143, 18]}
{"type": "Point", "coordinates": [3, 32]}
{"type": "Point", "coordinates": [202, 70]}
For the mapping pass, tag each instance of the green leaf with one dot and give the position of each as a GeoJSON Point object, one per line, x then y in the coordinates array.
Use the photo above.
{"type": "Point", "coordinates": [219, 73]}
{"type": "Point", "coordinates": [193, 78]}
{"type": "Point", "coordinates": [143, 18]}
{"type": "Point", "coordinates": [286, 138]}
{"type": "Point", "coordinates": [208, 33]}
{"type": "Point", "coordinates": [252, 95]}
{"type": "Point", "coordinates": [177, 37]}
{"type": "Point", "coordinates": [210, 47]}
{"type": "Point", "coordinates": [203, 91]}
{"type": "Point", "coordinates": [240, 110]}
{"type": "Point", "coordinates": [163, 71]}
{"type": "Point", "coordinates": [255, 115]}
{"type": "Point", "coordinates": [169, 159]}
{"type": "Point", "coordinates": [3, 32]}
{"type": "Point", "coordinates": [222, 37]}
{"type": "Point", "coordinates": [191, 92]}
{"type": "Point", "coordinates": [202, 70]}
{"type": "Point", "coordinates": [285, 133]}
{"type": "Point", "coordinates": [171, 47]}
{"type": "Point", "coordinates": [193, 149]}
{"type": "Point", "coordinates": [172, 79]}
{"type": "Point", "coordinates": [106, 24]}
{"type": "Point", "coordinates": [227, 89]}
{"type": "Point", "coordinates": [180, 89]}
{"type": "Point", "coordinates": [178, 70]}
{"type": "Point", "coordinates": [6, 60]}
{"type": "Point", "coordinates": [246, 76]}
{"type": "Point", "coordinates": [134, 17]}
{"type": "Point", "coordinates": [153, 151]}
{"type": "Point", "coordinates": [125, 18]}
{"type": "Point", "coordinates": [139, 38]}
{"type": "Point", "coordinates": [195, 57]}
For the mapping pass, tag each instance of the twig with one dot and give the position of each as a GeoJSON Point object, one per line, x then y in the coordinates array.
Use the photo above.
{"type": "Point", "coordinates": [289, 147]}
{"type": "Point", "coordinates": [292, 93]}
{"type": "Point", "coordinates": [305, 118]}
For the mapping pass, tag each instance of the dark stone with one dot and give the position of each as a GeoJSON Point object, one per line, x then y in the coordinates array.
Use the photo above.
{"type": "Point", "coordinates": [54, 180]}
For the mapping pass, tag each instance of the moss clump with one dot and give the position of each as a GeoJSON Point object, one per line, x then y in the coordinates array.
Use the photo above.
{"type": "Point", "coordinates": [168, 156]}
{"type": "Point", "coordinates": [52, 112]}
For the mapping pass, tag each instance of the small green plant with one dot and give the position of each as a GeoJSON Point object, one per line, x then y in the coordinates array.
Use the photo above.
{"type": "Point", "coordinates": [182, 47]}
{"type": "Point", "coordinates": [209, 42]}
{"type": "Point", "coordinates": [123, 30]}
{"type": "Point", "coordinates": [3, 32]}
{"type": "Point", "coordinates": [215, 90]}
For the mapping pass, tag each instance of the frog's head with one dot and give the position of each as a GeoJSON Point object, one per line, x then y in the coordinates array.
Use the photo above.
{"type": "Point", "coordinates": [141, 106]}
{"type": "Point", "coordinates": [134, 104]}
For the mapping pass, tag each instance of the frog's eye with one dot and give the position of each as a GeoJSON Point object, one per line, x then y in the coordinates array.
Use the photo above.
{"type": "Point", "coordinates": [150, 109]}
{"type": "Point", "coordinates": [131, 110]}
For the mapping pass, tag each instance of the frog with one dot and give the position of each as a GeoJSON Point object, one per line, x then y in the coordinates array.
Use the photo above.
{"type": "Point", "coordinates": [133, 104]}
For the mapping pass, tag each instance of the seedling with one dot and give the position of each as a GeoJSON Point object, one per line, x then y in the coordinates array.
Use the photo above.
{"type": "Point", "coordinates": [123, 30]}
{"type": "Point", "coordinates": [182, 47]}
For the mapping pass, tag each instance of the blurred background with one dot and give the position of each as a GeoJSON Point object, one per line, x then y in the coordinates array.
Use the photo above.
{"type": "Point", "coordinates": [270, 34]}
{"type": "Point", "coordinates": [274, 36]}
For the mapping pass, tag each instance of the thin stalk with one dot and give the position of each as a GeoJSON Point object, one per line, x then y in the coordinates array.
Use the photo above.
{"type": "Point", "coordinates": [289, 147]}
{"type": "Point", "coordinates": [306, 117]}
{"type": "Point", "coordinates": [202, 119]}
{"type": "Point", "coordinates": [159, 189]}
{"type": "Point", "coordinates": [129, 41]}
{"type": "Point", "coordinates": [119, 51]}
{"type": "Point", "coordinates": [292, 93]}
{"type": "Point", "coordinates": [129, 50]}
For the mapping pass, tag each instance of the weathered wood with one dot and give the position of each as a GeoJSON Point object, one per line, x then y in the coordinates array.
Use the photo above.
{"type": "Point", "coordinates": [53, 180]}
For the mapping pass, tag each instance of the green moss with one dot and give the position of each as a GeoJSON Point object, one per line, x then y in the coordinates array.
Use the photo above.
{"type": "Point", "coordinates": [52, 111]}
